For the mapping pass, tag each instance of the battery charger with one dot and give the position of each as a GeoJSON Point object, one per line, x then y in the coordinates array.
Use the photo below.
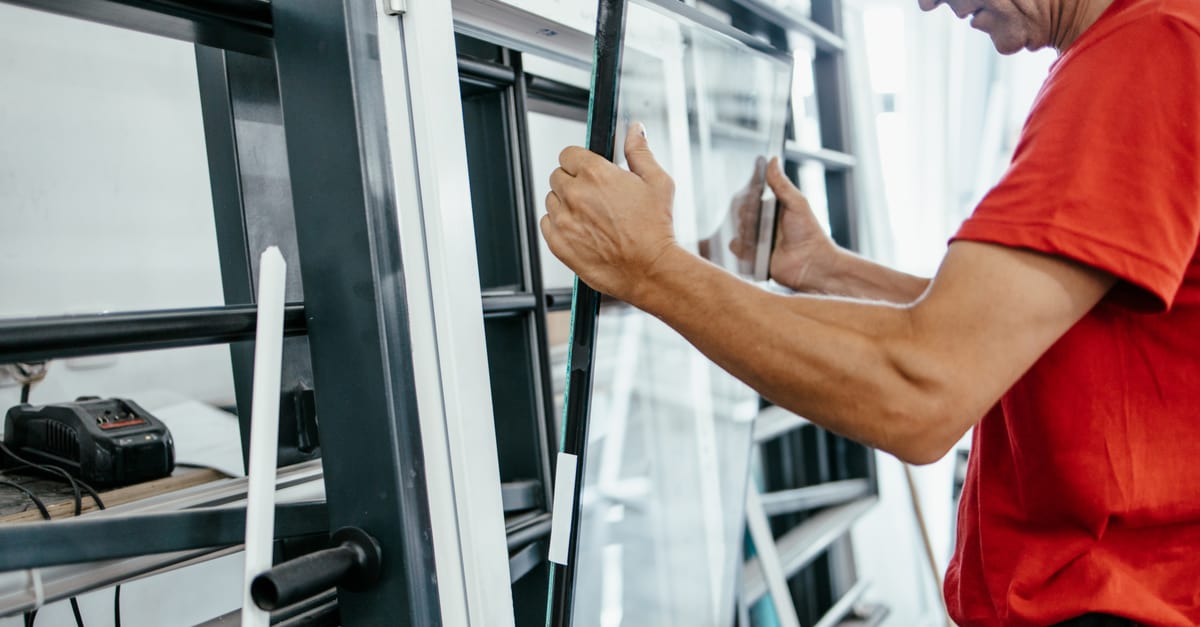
{"type": "Point", "coordinates": [103, 442]}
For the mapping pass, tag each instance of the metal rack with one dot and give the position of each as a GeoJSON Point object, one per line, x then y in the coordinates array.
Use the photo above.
{"type": "Point", "coordinates": [350, 156]}
{"type": "Point", "coordinates": [304, 144]}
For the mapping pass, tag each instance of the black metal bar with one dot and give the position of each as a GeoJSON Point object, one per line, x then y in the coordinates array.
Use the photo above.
{"type": "Point", "coordinates": [528, 531]}
{"type": "Point", "coordinates": [602, 126]}
{"type": "Point", "coordinates": [525, 560]}
{"type": "Point", "coordinates": [490, 72]}
{"type": "Point", "coordinates": [92, 539]}
{"type": "Point", "coordinates": [252, 209]}
{"type": "Point", "coordinates": [242, 25]}
{"type": "Point", "coordinates": [814, 496]}
{"type": "Point", "coordinates": [556, 91]}
{"type": "Point", "coordinates": [521, 495]}
{"type": "Point", "coordinates": [355, 295]}
{"type": "Point", "coordinates": [558, 299]}
{"type": "Point", "coordinates": [507, 304]}
{"type": "Point", "coordinates": [547, 417]}
{"type": "Point", "coordinates": [36, 339]}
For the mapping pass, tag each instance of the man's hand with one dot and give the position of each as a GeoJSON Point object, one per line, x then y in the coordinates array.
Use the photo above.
{"type": "Point", "coordinates": [804, 253]}
{"type": "Point", "coordinates": [608, 225]}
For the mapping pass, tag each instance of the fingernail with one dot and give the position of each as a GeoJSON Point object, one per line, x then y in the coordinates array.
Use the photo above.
{"type": "Point", "coordinates": [641, 129]}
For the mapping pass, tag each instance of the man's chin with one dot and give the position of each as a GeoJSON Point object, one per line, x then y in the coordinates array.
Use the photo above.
{"type": "Point", "coordinates": [1009, 45]}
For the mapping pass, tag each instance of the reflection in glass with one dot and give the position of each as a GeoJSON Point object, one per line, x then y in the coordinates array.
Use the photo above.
{"type": "Point", "coordinates": [805, 116]}
{"type": "Point", "coordinates": [670, 434]}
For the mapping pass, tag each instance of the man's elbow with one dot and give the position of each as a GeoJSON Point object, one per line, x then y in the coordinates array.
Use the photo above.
{"type": "Point", "coordinates": [923, 431]}
{"type": "Point", "coordinates": [920, 453]}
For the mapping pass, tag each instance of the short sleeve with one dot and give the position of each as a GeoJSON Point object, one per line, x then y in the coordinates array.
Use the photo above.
{"type": "Point", "coordinates": [1107, 171]}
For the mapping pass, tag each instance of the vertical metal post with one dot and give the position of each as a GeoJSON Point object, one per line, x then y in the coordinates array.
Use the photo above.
{"type": "Point", "coordinates": [529, 205]}
{"type": "Point", "coordinates": [252, 207]}
{"type": "Point", "coordinates": [346, 225]}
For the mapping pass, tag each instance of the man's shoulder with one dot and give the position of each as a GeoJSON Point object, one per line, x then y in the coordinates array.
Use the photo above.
{"type": "Point", "coordinates": [1159, 14]}
{"type": "Point", "coordinates": [1138, 30]}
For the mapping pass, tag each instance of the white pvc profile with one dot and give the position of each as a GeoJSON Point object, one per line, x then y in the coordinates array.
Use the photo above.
{"type": "Point", "coordinates": [800, 546]}
{"type": "Point", "coordinates": [429, 167]}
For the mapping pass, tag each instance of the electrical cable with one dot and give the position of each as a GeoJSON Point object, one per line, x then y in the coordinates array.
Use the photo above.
{"type": "Point", "coordinates": [75, 488]}
{"type": "Point", "coordinates": [30, 616]}
{"type": "Point", "coordinates": [32, 374]}
{"type": "Point", "coordinates": [39, 503]}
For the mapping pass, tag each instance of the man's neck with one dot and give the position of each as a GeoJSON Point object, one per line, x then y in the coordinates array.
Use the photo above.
{"type": "Point", "coordinates": [1070, 18]}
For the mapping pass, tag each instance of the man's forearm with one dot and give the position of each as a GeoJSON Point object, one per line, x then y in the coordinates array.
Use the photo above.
{"type": "Point", "coordinates": [833, 361]}
{"type": "Point", "coordinates": [852, 276]}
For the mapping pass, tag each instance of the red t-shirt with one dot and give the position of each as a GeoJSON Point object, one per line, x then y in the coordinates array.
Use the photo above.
{"type": "Point", "coordinates": [1083, 488]}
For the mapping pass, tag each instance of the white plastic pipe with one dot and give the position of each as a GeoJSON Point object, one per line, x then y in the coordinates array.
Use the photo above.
{"type": "Point", "coordinates": [264, 429]}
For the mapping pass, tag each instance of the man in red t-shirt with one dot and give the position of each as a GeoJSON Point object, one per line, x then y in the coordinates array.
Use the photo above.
{"type": "Point", "coordinates": [1064, 322]}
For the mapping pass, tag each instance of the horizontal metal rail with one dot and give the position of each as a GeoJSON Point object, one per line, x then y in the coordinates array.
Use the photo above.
{"type": "Point", "coordinates": [36, 339]}
{"type": "Point", "coordinates": [557, 91]}
{"type": "Point", "coordinates": [486, 71]}
{"type": "Point", "coordinates": [99, 538]}
{"type": "Point", "coordinates": [240, 25]}
{"type": "Point", "coordinates": [508, 304]}
{"type": "Point", "coordinates": [558, 299]}
{"type": "Point", "coordinates": [831, 159]}
{"type": "Point", "coordinates": [825, 39]}
{"type": "Point", "coordinates": [528, 531]}
{"type": "Point", "coordinates": [844, 605]}
{"type": "Point", "coordinates": [525, 560]}
{"type": "Point", "coordinates": [803, 544]}
{"type": "Point", "coordinates": [521, 495]}
{"type": "Point", "coordinates": [815, 496]}
{"type": "Point", "coordinates": [775, 421]}
{"type": "Point", "coordinates": [297, 483]}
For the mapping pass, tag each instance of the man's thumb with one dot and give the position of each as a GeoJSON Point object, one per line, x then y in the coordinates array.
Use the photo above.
{"type": "Point", "coordinates": [638, 155]}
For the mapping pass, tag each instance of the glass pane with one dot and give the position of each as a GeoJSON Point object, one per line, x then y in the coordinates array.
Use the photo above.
{"type": "Point", "coordinates": [548, 135]}
{"type": "Point", "coordinates": [558, 335]}
{"type": "Point", "coordinates": [493, 197]}
{"type": "Point", "coordinates": [670, 434]}
{"type": "Point", "coordinates": [512, 368]}
{"type": "Point", "coordinates": [103, 171]}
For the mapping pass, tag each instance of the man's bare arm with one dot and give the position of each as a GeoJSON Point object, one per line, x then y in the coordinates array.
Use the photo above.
{"type": "Point", "coordinates": [807, 260]}
{"type": "Point", "coordinates": [906, 379]}
{"type": "Point", "coordinates": [909, 379]}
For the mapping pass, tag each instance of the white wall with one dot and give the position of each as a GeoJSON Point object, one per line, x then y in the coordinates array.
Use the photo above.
{"type": "Point", "coordinates": [104, 195]}
{"type": "Point", "coordinates": [105, 206]}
